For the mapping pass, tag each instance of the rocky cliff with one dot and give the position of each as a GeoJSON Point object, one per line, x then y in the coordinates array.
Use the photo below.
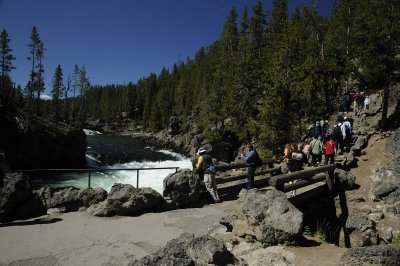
{"type": "Point", "coordinates": [32, 142]}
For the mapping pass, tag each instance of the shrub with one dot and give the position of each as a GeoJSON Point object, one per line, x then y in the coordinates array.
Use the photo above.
{"type": "Point", "coordinates": [396, 241]}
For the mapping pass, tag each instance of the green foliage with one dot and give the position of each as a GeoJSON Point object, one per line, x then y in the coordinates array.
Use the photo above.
{"type": "Point", "coordinates": [289, 243]}
{"type": "Point", "coordinates": [262, 81]}
{"type": "Point", "coordinates": [249, 239]}
{"type": "Point", "coordinates": [396, 241]}
{"type": "Point", "coordinates": [307, 231]}
{"type": "Point", "coordinates": [321, 236]}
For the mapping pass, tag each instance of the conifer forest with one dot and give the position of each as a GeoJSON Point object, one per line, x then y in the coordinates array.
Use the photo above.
{"type": "Point", "coordinates": [268, 76]}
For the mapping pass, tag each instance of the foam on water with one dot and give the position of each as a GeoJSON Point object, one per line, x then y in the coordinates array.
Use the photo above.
{"type": "Point", "coordinates": [147, 178]}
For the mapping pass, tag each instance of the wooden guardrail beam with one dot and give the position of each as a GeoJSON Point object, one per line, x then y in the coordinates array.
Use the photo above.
{"type": "Point", "coordinates": [222, 168]}
{"type": "Point", "coordinates": [236, 186]}
{"type": "Point", "coordinates": [305, 182]}
{"type": "Point", "coordinates": [226, 179]}
{"type": "Point", "coordinates": [303, 174]}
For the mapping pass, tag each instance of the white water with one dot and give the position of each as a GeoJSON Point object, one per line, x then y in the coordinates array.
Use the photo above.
{"type": "Point", "coordinates": [147, 178]}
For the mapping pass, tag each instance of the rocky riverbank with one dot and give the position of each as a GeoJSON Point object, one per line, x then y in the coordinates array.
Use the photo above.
{"type": "Point", "coordinates": [260, 228]}
{"type": "Point", "coordinates": [31, 142]}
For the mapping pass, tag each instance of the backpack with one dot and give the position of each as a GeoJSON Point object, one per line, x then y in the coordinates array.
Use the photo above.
{"type": "Point", "coordinates": [257, 160]}
{"type": "Point", "coordinates": [337, 132]}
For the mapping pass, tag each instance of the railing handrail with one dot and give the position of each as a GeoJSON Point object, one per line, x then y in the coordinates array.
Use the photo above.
{"type": "Point", "coordinates": [90, 169]}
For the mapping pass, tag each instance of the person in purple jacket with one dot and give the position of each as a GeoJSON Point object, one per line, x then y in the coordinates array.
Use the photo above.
{"type": "Point", "coordinates": [251, 165]}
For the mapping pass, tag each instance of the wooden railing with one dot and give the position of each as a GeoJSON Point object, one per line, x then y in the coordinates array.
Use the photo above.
{"type": "Point", "coordinates": [268, 175]}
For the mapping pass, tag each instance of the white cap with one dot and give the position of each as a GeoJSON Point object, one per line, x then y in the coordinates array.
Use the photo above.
{"type": "Point", "coordinates": [200, 151]}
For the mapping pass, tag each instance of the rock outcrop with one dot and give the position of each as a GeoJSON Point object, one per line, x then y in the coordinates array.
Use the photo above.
{"type": "Point", "coordinates": [18, 201]}
{"type": "Point", "coordinates": [188, 250]}
{"type": "Point", "coordinates": [70, 198]}
{"type": "Point", "coordinates": [32, 142]}
{"type": "Point", "coordinates": [373, 255]}
{"type": "Point", "coordinates": [267, 216]}
{"type": "Point", "coordinates": [362, 231]}
{"type": "Point", "coordinates": [124, 199]}
{"type": "Point", "coordinates": [184, 188]}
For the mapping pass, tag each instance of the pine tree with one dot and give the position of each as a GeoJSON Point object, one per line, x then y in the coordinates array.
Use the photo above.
{"type": "Point", "coordinates": [83, 85]}
{"type": "Point", "coordinates": [377, 34]}
{"type": "Point", "coordinates": [36, 83]}
{"type": "Point", "coordinates": [6, 67]}
{"type": "Point", "coordinates": [57, 92]}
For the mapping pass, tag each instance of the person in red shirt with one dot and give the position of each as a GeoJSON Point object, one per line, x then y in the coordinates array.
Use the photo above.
{"type": "Point", "coordinates": [330, 150]}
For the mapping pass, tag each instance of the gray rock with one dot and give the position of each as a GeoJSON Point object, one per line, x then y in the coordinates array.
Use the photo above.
{"type": "Point", "coordinates": [385, 183]}
{"type": "Point", "coordinates": [190, 250]}
{"type": "Point", "coordinates": [90, 196]}
{"type": "Point", "coordinates": [360, 143]}
{"type": "Point", "coordinates": [344, 180]}
{"type": "Point", "coordinates": [374, 255]}
{"type": "Point", "coordinates": [267, 216]}
{"type": "Point", "coordinates": [362, 231]}
{"type": "Point", "coordinates": [18, 199]}
{"type": "Point", "coordinates": [124, 199]}
{"type": "Point", "coordinates": [347, 160]}
{"type": "Point", "coordinates": [183, 187]}
{"type": "Point", "coordinates": [65, 198]}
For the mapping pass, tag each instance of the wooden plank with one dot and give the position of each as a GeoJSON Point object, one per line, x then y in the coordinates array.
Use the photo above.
{"type": "Point", "coordinates": [303, 183]}
{"type": "Point", "coordinates": [236, 186]}
{"type": "Point", "coordinates": [223, 168]}
{"type": "Point", "coordinates": [308, 195]}
{"type": "Point", "coordinates": [278, 180]}
{"type": "Point", "coordinates": [225, 179]}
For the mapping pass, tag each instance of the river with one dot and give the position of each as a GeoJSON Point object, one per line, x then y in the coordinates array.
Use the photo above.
{"type": "Point", "coordinates": [122, 152]}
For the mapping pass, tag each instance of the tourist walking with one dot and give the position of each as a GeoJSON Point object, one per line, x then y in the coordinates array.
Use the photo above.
{"type": "Point", "coordinates": [306, 151]}
{"type": "Point", "coordinates": [366, 102]}
{"type": "Point", "coordinates": [330, 150]}
{"type": "Point", "coordinates": [318, 130]}
{"type": "Point", "coordinates": [205, 169]}
{"type": "Point", "coordinates": [250, 159]}
{"type": "Point", "coordinates": [316, 147]}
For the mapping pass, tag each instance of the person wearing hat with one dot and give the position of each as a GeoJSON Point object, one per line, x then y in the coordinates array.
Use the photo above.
{"type": "Point", "coordinates": [206, 170]}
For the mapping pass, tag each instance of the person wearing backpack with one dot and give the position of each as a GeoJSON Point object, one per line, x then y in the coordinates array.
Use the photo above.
{"type": "Point", "coordinates": [205, 169]}
{"type": "Point", "coordinates": [250, 159]}
{"type": "Point", "coordinates": [337, 136]}
{"type": "Point", "coordinates": [316, 146]}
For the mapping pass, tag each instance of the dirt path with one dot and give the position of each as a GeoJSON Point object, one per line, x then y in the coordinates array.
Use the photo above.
{"type": "Point", "coordinates": [375, 155]}
{"type": "Point", "coordinates": [78, 238]}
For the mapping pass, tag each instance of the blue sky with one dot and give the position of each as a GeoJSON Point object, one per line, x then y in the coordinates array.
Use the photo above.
{"type": "Point", "coordinates": [118, 41]}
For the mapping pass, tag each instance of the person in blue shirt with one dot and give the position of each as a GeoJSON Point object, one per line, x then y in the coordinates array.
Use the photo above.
{"type": "Point", "coordinates": [251, 167]}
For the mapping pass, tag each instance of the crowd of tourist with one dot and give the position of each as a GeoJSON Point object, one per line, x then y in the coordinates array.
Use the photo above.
{"type": "Point", "coordinates": [323, 144]}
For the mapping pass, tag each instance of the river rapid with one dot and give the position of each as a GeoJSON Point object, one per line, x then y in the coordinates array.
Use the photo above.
{"type": "Point", "coordinates": [123, 152]}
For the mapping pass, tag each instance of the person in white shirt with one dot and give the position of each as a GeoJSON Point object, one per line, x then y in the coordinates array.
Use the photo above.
{"type": "Point", "coordinates": [366, 102]}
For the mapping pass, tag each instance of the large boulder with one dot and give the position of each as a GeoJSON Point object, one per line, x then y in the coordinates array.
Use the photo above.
{"type": "Point", "coordinates": [190, 250]}
{"type": "Point", "coordinates": [344, 180]}
{"type": "Point", "coordinates": [267, 216]}
{"type": "Point", "coordinates": [125, 199]}
{"type": "Point", "coordinates": [18, 200]}
{"type": "Point", "coordinates": [63, 198]}
{"type": "Point", "coordinates": [360, 143]}
{"type": "Point", "coordinates": [373, 255]}
{"type": "Point", "coordinates": [70, 198]}
{"type": "Point", "coordinates": [385, 183]}
{"type": "Point", "coordinates": [362, 231]}
{"type": "Point", "coordinates": [91, 196]}
{"type": "Point", "coordinates": [183, 187]}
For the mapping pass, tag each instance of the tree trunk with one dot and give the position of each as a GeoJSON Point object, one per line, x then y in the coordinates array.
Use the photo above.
{"type": "Point", "coordinates": [385, 107]}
